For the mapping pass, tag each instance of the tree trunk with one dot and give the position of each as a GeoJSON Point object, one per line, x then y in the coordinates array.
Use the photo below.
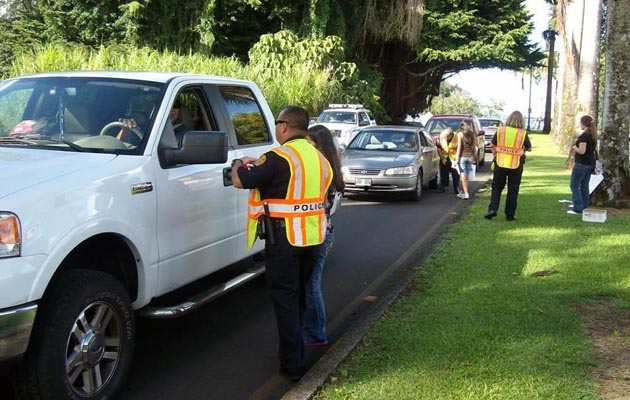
{"type": "Point", "coordinates": [614, 150]}
{"type": "Point", "coordinates": [550, 68]}
{"type": "Point", "coordinates": [588, 55]}
{"type": "Point", "coordinates": [569, 27]}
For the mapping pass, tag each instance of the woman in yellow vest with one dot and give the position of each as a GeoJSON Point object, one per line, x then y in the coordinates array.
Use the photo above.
{"type": "Point", "coordinates": [288, 193]}
{"type": "Point", "coordinates": [508, 147]}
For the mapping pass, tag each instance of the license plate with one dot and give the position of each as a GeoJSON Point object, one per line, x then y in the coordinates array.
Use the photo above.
{"type": "Point", "coordinates": [363, 182]}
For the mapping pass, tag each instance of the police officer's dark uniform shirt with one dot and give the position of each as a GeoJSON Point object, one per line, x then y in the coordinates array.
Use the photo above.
{"type": "Point", "coordinates": [271, 174]}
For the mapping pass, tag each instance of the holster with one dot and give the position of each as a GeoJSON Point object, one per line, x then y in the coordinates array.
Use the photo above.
{"type": "Point", "coordinates": [264, 230]}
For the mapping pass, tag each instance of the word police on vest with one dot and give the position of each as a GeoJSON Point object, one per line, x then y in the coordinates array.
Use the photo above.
{"type": "Point", "coordinates": [308, 207]}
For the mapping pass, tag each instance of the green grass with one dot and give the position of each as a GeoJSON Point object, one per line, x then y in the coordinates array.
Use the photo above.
{"type": "Point", "coordinates": [478, 325]}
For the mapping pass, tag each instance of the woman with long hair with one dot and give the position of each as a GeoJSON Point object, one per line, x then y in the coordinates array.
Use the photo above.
{"type": "Point", "coordinates": [584, 165]}
{"type": "Point", "coordinates": [466, 155]}
{"type": "Point", "coordinates": [314, 316]}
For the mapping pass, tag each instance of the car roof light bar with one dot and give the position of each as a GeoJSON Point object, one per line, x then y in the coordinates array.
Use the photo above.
{"type": "Point", "coordinates": [353, 106]}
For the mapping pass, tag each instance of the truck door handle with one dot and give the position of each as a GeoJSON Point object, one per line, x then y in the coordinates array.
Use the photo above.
{"type": "Point", "coordinates": [227, 176]}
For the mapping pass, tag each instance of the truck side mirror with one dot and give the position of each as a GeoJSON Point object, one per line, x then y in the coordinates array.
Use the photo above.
{"type": "Point", "coordinates": [197, 147]}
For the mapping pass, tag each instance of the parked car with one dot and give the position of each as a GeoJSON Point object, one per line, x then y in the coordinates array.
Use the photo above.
{"type": "Point", "coordinates": [99, 218]}
{"type": "Point", "coordinates": [438, 123]}
{"type": "Point", "coordinates": [345, 120]}
{"type": "Point", "coordinates": [390, 159]}
{"type": "Point", "coordinates": [490, 126]}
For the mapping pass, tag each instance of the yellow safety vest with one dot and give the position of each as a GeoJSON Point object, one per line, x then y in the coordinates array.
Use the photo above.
{"type": "Point", "coordinates": [452, 148]}
{"type": "Point", "coordinates": [509, 148]}
{"type": "Point", "coordinates": [303, 208]}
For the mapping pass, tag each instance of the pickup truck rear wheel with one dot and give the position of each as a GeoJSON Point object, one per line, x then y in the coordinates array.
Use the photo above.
{"type": "Point", "coordinates": [82, 342]}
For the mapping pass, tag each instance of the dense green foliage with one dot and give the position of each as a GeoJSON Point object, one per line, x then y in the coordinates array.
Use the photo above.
{"type": "Point", "coordinates": [294, 82]}
{"type": "Point", "coordinates": [403, 49]}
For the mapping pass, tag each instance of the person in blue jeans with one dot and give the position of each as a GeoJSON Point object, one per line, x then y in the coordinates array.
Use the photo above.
{"type": "Point", "coordinates": [584, 165]}
{"type": "Point", "coordinates": [466, 155]}
{"type": "Point", "coordinates": [314, 316]}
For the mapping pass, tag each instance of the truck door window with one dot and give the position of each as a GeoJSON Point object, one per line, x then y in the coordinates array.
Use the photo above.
{"type": "Point", "coordinates": [246, 115]}
{"type": "Point", "coordinates": [194, 114]}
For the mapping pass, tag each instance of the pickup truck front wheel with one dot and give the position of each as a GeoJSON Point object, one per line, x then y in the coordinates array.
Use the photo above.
{"type": "Point", "coordinates": [82, 342]}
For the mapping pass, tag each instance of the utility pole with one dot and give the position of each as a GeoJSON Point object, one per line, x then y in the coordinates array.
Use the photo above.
{"type": "Point", "coordinates": [549, 35]}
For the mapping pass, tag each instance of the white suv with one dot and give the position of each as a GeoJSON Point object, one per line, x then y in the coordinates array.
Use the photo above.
{"type": "Point", "coordinates": [345, 120]}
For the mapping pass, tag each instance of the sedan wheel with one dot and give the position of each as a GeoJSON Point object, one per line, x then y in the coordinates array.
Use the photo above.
{"type": "Point", "coordinates": [417, 193]}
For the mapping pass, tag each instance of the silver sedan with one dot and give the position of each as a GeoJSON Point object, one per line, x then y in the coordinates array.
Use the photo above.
{"type": "Point", "coordinates": [390, 159]}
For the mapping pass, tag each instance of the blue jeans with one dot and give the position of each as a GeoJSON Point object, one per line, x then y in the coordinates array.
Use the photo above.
{"type": "Point", "coordinates": [580, 176]}
{"type": "Point", "coordinates": [465, 166]}
{"type": "Point", "coordinates": [314, 317]}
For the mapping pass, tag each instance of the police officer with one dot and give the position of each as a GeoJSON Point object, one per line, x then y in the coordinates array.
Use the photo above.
{"type": "Point", "coordinates": [509, 145]}
{"type": "Point", "coordinates": [286, 205]}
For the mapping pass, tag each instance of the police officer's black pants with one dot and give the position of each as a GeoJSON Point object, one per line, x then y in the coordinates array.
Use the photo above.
{"type": "Point", "coordinates": [287, 270]}
{"type": "Point", "coordinates": [499, 179]}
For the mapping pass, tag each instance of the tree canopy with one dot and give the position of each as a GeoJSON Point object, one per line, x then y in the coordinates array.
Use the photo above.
{"type": "Point", "coordinates": [414, 45]}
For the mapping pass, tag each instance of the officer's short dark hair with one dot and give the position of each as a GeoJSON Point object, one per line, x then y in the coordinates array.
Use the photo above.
{"type": "Point", "coordinates": [296, 116]}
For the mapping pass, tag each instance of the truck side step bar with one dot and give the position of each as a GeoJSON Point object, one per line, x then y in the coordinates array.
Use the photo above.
{"type": "Point", "coordinates": [202, 298]}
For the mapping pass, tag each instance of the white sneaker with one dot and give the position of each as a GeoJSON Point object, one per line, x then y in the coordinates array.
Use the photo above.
{"type": "Point", "coordinates": [573, 212]}
{"type": "Point", "coordinates": [463, 196]}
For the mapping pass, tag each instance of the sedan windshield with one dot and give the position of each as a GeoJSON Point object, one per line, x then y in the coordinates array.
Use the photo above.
{"type": "Point", "coordinates": [342, 117]}
{"type": "Point", "coordinates": [390, 140]}
{"type": "Point", "coordinates": [489, 122]}
{"type": "Point", "coordinates": [77, 114]}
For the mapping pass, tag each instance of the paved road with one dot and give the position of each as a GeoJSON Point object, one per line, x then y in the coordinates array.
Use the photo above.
{"type": "Point", "coordinates": [227, 349]}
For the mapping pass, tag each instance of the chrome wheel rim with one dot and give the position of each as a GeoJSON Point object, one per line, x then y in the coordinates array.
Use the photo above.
{"type": "Point", "coordinates": [93, 348]}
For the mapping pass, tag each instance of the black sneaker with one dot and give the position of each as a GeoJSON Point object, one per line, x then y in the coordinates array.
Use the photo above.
{"type": "Point", "coordinates": [490, 215]}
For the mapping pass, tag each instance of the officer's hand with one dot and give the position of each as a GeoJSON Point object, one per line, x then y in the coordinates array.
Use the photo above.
{"type": "Point", "coordinates": [249, 160]}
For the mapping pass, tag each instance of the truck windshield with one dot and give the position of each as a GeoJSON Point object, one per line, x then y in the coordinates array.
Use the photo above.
{"type": "Point", "coordinates": [77, 114]}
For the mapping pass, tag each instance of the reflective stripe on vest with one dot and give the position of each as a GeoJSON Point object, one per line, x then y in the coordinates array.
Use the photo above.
{"type": "Point", "coordinates": [509, 148]}
{"type": "Point", "coordinates": [303, 208]}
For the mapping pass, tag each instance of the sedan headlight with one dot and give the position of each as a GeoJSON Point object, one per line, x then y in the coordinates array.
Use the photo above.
{"type": "Point", "coordinates": [10, 237]}
{"type": "Point", "coordinates": [408, 170]}
{"type": "Point", "coordinates": [345, 170]}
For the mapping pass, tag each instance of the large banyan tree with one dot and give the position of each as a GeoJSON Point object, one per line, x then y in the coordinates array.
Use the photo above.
{"type": "Point", "coordinates": [417, 44]}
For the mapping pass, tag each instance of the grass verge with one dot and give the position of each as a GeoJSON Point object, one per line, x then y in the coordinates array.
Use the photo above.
{"type": "Point", "coordinates": [498, 311]}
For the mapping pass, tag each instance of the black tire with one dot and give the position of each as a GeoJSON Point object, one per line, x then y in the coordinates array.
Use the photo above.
{"type": "Point", "coordinates": [417, 193]}
{"type": "Point", "coordinates": [481, 160]}
{"type": "Point", "coordinates": [85, 325]}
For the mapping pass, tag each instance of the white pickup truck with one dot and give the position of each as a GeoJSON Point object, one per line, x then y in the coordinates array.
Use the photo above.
{"type": "Point", "coordinates": [108, 202]}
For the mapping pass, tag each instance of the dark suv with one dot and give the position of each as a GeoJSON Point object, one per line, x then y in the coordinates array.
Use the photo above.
{"type": "Point", "coordinates": [439, 122]}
